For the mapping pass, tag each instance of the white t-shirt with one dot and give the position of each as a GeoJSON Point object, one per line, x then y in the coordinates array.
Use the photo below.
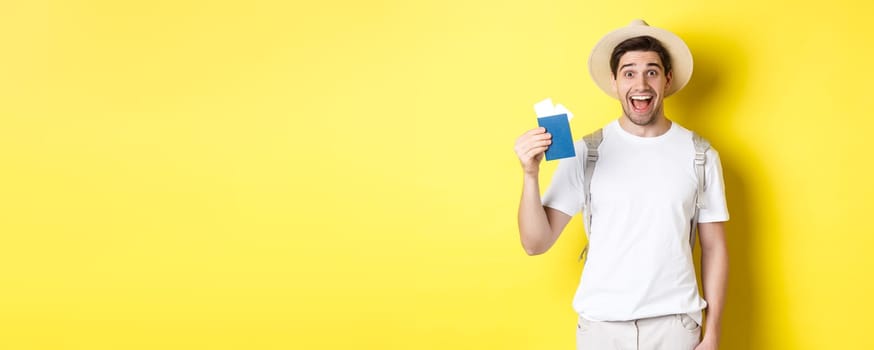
{"type": "Point", "coordinates": [643, 190]}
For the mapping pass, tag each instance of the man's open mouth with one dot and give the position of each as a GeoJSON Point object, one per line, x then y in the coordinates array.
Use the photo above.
{"type": "Point", "coordinates": [641, 103]}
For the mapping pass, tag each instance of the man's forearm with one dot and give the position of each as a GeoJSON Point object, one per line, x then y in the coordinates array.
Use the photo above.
{"type": "Point", "coordinates": [714, 273]}
{"type": "Point", "coordinates": [534, 229]}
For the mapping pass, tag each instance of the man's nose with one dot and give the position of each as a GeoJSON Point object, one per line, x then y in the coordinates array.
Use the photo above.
{"type": "Point", "coordinates": [640, 81]}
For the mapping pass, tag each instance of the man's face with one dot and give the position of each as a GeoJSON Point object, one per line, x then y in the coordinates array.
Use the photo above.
{"type": "Point", "coordinates": [640, 84]}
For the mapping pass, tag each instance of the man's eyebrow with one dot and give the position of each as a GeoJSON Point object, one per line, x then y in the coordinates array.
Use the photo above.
{"type": "Point", "coordinates": [648, 65]}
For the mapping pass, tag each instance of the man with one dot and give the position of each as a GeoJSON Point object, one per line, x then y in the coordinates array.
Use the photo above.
{"type": "Point", "coordinates": [638, 289]}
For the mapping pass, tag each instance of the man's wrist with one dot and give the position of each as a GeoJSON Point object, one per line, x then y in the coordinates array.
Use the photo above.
{"type": "Point", "coordinates": [531, 176]}
{"type": "Point", "coordinates": [711, 333]}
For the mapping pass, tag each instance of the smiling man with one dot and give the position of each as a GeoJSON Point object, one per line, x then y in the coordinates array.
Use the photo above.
{"type": "Point", "coordinates": [643, 184]}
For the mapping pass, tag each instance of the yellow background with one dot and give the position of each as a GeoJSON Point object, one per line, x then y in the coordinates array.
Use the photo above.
{"type": "Point", "coordinates": [332, 175]}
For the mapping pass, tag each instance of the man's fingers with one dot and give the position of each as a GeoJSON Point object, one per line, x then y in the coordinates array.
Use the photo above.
{"type": "Point", "coordinates": [531, 144]}
{"type": "Point", "coordinates": [535, 131]}
{"type": "Point", "coordinates": [524, 149]}
{"type": "Point", "coordinates": [534, 144]}
{"type": "Point", "coordinates": [535, 151]}
{"type": "Point", "coordinates": [544, 136]}
{"type": "Point", "coordinates": [526, 139]}
{"type": "Point", "coordinates": [540, 143]}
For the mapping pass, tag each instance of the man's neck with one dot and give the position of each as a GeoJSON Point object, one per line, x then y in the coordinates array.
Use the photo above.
{"type": "Point", "coordinates": [657, 128]}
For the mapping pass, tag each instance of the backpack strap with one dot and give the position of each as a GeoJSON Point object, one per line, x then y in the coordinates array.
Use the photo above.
{"type": "Point", "coordinates": [593, 141]}
{"type": "Point", "coordinates": [701, 148]}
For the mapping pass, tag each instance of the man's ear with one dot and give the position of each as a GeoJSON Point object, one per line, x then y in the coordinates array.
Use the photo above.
{"type": "Point", "coordinates": [669, 78]}
{"type": "Point", "coordinates": [615, 85]}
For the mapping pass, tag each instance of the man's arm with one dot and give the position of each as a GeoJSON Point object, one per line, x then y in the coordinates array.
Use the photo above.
{"type": "Point", "coordinates": [714, 274]}
{"type": "Point", "coordinates": [539, 227]}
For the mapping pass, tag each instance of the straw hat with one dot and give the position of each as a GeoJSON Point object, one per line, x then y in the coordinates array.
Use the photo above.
{"type": "Point", "coordinates": [681, 57]}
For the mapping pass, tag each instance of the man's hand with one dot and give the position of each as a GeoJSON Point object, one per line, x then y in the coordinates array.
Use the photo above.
{"type": "Point", "coordinates": [707, 344]}
{"type": "Point", "coordinates": [530, 147]}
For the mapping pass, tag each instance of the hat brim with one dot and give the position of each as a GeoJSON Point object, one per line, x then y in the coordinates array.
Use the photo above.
{"type": "Point", "coordinates": [681, 57]}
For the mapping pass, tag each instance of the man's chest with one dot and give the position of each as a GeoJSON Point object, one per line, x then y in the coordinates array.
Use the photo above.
{"type": "Point", "coordinates": [651, 176]}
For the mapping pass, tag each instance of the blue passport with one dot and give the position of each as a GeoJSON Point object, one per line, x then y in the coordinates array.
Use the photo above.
{"type": "Point", "coordinates": [562, 142]}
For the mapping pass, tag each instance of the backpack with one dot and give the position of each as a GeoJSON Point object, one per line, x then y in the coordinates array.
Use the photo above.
{"type": "Point", "coordinates": [593, 141]}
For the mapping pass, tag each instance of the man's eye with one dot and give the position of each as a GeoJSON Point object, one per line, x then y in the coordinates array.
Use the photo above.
{"type": "Point", "coordinates": [652, 73]}
{"type": "Point", "coordinates": [629, 74]}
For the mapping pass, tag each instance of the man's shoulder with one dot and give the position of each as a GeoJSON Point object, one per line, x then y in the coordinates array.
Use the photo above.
{"type": "Point", "coordinates": [603, 130]}
{"type": "Point", "coordinates": [682, 130]}
{"type": "Point", "coordinates": [687, 133]}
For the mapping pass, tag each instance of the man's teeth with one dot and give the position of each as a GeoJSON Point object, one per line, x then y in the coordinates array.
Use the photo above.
{"type": "Point", "coordinates": [641, 97]}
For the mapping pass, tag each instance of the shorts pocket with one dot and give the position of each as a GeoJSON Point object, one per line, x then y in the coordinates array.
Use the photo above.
{"type": "Point", "coordinates": [583, 324]}
{"type": "Point", "coordinates": [688, 323]}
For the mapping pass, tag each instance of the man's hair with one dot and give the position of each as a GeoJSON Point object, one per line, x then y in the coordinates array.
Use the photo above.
{"type": "Point", "coordinates": [640, 43]}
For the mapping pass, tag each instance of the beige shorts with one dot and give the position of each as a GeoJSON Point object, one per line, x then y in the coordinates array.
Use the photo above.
{"type": "Point", "coordinates": [671, 332]}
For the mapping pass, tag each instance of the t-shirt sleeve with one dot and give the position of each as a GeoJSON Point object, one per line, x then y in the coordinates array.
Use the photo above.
{"type": "Point", "coordinates": [565, 192]}
{"type": "Point", "coordinates": [715, 208]}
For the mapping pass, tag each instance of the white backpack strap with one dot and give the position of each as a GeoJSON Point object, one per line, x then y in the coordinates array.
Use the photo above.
{"type": "Point", "coordinates": [701, 148]}
{"type": "Point", "coordinates": [593, 141]}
